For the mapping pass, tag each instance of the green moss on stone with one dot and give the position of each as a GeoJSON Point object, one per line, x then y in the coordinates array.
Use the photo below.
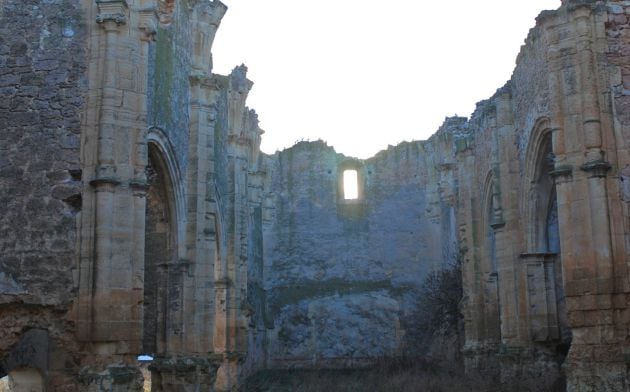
{"type": "Point", "coordinates": [164, 75]}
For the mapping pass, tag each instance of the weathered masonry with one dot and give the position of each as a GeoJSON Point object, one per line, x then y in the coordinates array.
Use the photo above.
{"type": "Point", "coordinates": [139, 217]}
{"type": "Point", "coordinates": [130, 182]}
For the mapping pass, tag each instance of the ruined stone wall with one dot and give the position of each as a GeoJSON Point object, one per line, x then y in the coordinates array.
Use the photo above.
{"type": "Point", "coordinates": [43, 85]}
{"type": "Point", "coordinates": [42, 93]}
{"type": "Point", "coordinates": [493, 203]}
{"type": "Point", "coordinates": [342, 276]}
{"type": "Point", "coordinates": [139, 215]}
{"type": "Point", "coordinates": [538, 181]}
{"type": "Point", "coordinates": [120, 234]}
{"type": "Point", "coordinates": [237, 192]}
{"type": "Point", "coordinates": [168, 93]}
{"type": "Point", "coordinates": [549, 153]}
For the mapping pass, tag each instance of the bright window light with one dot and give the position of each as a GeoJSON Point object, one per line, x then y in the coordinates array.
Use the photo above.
{"type": "Point", "coordinates": [145, 357]}
{"type": "Point", "coordinates": [350, 184]}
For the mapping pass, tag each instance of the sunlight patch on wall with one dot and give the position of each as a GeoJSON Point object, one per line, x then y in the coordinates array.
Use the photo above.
{"type": "Point", "coordinates": [350, 184]}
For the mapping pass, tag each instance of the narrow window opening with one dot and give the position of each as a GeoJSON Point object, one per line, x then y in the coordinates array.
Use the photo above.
{"type": "Point", "coordinates": [350, 185]}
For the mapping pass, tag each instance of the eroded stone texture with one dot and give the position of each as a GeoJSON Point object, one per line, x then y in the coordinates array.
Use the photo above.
{"type": "Point", "coordinates": [42, 90]}
{"type": "Point", "coordinates": [139, 216]}
{"type": "Point", "coordinates": [537, 180]}
{"type": "Point", "coordinates": [342, 276]}
{"type": "Point", "coordinates": [555, 118]}
{"type": "Point", "coordinates": [120, 235]}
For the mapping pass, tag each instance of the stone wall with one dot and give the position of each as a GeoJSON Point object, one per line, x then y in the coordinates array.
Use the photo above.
{"type": "Point", "coordinates": [130, 175]}
{"type": "Point", "coordinates": [536, 180]}
{"type": "Point", "coordinates": [168, 93]}
{"type": "Point", "coordinates": [43, 84]}
{"type": "Point", "coordinates": [547, 153]}
{"type": "Point", "coordinates": [342, 277]}
{"type": "Point", "coordinates": [141, 218]}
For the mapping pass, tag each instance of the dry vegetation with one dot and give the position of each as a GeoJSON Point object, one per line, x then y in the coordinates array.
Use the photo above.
{"type": "Point", "coordinates": [436, 339]}
{"type": "Point", "coordinates": [395, 375]}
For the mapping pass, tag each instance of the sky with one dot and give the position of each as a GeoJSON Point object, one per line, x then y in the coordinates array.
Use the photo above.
{"type": "Point", "coordinates": [365, 74]}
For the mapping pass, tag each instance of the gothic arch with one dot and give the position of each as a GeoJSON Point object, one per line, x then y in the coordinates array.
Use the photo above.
{"type": "Point", "coordinates": [487, 220]}
{"type": "Point", "coordinates": [547, 313]}
{"type": "Point", "coordinates": [540, 196]}
{"type": "Point", "coordinates": [220, 252]}
{"type": "Point", "coordinates": [490, 273]}
{"type": "Point", "coordinates": [162, 239]}
{"type": "Point", "coordinates": [222, 283]}
{"type": "Point", "coordinates": [157, 139]}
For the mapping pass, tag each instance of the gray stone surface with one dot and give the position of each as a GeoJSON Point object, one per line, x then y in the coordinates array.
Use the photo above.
{"type": "Point", "coordinates": [168, 92]}
{"type": "Point", "coordinates": [42, 89]}
{"type": "Point", "coordinates": [31, 352]}
{"type": "Point", "coordinates": [256, 260]}
{"type": "Point", "coordinates": [342, 277]}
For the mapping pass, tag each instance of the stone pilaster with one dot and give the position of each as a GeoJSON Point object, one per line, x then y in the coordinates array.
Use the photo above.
{"type": "Point", "coordinates": [203, 233]}
{"type": "Point", "coordinates": [595, 360]}
{"type": "Point", "coordinates": [109, 311]}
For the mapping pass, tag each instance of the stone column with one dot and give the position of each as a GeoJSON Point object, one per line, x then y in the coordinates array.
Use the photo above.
{"type": "Point", "coordinates": [496, 279]}
{"type": "Point", "coordinates": [231, 284]}
{"type": "Point", "coordinates": [472, 279]}
{"type": "Point", "coordinates": [505, 222]}
{"type": "Point", "coordinates": [109, 308]}
{"type": "Point", "coordinates": [114, 293]}
{"type": "Point", "coordinates": [595, 360]}
{"type": "Point", "coordinates": [202, 232]}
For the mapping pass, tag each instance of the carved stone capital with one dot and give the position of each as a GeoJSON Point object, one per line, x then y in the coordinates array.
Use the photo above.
{"type": "Point", "coordinates": [147, 23]}
{"type": "Point", "coordinates": [139, 186]}
{"type": "Point", "coordinates": [112, 11]}
{"type": "Point", "coordinates": [105, 184]}
{"type": "Point", "coordinates": [119, 19]}
{"type": "Point", "coordinates": [210, 82]}
{"type": "Point", "coordinates": [497, 223]}
{"type": "Point", "coordinates": [596, 169]}
{"type": "Point", "coordinates": [562, 174]}
{"type": "Point", "coordinates": [222, 284]}
{"type": "Point", "coordinates": [539, 257]}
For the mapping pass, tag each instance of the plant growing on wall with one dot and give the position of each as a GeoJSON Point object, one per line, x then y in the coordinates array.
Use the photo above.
{"type": "Point", "coordinates": [436, 327]}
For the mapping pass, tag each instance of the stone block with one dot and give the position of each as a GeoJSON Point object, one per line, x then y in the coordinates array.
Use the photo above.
{"type": "Point", "coordinates": [620, 301]}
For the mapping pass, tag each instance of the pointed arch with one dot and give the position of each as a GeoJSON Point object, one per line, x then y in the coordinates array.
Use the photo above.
{"type": "Point", "coordinates": [540, 196]}
{"type": "Point", "coordinates": [163, 238]}
{"type": "Point", "coordinates": [160, 143]}
{"type": "Point", "coordinates": [490, 265]}
{"type": "Point", "coordinates": [487, 220]}
{"type": "Point", "coordinates": [546, 298]}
